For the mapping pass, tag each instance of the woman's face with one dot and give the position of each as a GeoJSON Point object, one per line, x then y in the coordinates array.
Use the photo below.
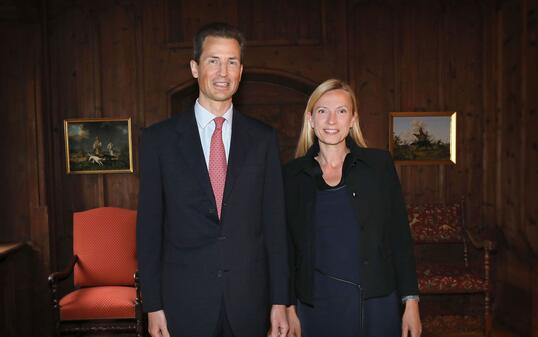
{"type": "Point", "coordinates": [332, 117]}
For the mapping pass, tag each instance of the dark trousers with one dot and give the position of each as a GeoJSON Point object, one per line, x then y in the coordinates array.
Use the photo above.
{"type": "Point", "coordinates": [223, 328]}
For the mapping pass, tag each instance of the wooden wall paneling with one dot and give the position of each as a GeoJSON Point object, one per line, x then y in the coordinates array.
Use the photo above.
{"type": "Point", "coordinates": [489, 116]}
{"type": "Point", "coordinates": [281, 22]}
{"type": "Point", "coordinates": [75, 93]}
{"type": "Point", "coordinates": [530, 146]}
{"type": "Point", "coordinates": [118, 65]}
{"type": "Point", "coordinates": [163, 69]}
{"type": "Point", "coordinates": [277, 105]}
{"type": "Point", "coordinates": [462, 92]}
{"type": "Point", "coordinates": [511, 126]}
{"type": "Point", "coordinates": [17, 301]}
{"type": "Point", "coordinates": [530, 121]}
{"type": "Point", "coordinates": [372, 51]}
{"type": "Point", "coordinates": [419, 80]}
{"type": "Point", "coordinates": [185, 17]}
{"type": "Point", "coordinates": [15, 72]}
{"type": "Point", "coordinates": [420, 24]}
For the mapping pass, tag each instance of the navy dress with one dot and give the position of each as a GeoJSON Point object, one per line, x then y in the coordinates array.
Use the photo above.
{"type": "Point", "coordinates": [339, 310]}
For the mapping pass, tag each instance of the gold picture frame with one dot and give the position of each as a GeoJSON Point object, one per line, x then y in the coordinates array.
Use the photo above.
{"type": "Point", "coordinates": [98, 145]}
{"type": "Point", "coordinates": [423, 137]}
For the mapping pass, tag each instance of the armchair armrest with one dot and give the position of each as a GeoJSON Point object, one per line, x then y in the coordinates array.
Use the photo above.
{"type": "Point", "coordinates": [480, 243]}
{"type": "Point", "coordinates": [58, 276]}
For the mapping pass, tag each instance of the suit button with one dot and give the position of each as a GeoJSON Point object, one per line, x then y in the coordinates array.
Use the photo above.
{"type": "Point", "coordinates": [354, 194]}
{"type": "Point", "coordinates": [365, 262]}
{"type": "Point", "coordinates": [223, 237]}
{"type": "Point", "coordinates": [224, 204]}
{"type": "Point", "coordinates": [219, 274]}
{"type": "Point", "coordinates": [362, 228]}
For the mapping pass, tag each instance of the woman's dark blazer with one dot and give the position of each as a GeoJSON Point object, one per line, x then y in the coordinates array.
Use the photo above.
{"type": "Point", "coordinates": [387, 256]}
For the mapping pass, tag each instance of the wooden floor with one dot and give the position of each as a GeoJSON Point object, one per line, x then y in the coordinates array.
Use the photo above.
{"type": "Point", "coordinates": [497, 332]}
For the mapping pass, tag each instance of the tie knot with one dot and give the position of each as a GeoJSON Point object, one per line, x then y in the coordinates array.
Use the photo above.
{"type": "Point", "coordinates": [218, 122]}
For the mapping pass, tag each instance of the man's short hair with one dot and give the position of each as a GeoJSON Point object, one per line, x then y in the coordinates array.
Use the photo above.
{"type": "Point", "coordinates": [216, 29]}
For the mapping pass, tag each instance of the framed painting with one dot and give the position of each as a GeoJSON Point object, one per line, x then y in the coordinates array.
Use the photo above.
{"type": "Point", "coordinates": [98, 145]}
{"type": "Point", "coordinates": [423, 137]}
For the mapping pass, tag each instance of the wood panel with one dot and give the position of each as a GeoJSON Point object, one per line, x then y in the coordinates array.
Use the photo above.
{"type": "Point", "coordinates": [278, 22]}
{"type": "Point", "coordinates": [16, 292]}
{"type": "Point", "coordinates": [372, 29]}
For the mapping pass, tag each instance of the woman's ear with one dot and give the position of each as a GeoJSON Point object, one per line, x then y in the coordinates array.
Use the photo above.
{"type": "Point", "coordinates": [309, 116]}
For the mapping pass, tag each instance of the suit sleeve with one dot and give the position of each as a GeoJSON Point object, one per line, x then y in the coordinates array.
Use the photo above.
{"type": "Point", "coordinates": [149, 225]}
{"type": "Point", "coordinates": [274, 226]}
{"type": "Point", "coordinates": [400, 236]}
{"type": "Point", "coordinates": [288, 197]}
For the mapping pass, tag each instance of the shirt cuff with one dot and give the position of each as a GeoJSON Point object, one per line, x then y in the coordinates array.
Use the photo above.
{"type": "Point", "coordinates": [410, 297]}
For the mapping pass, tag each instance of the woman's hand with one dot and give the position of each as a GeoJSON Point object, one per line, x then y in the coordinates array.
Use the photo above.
{"type": "Point", "coordinates": [411, 325]}
{"type": "Point", "coordinates": [293, 321]}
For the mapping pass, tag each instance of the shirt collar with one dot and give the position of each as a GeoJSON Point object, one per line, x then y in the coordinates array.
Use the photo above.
{"type": "Point", "coordinates": [204, 117]}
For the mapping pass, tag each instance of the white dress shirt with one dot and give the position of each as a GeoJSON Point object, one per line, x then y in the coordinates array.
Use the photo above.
{"type": "Point", "coordinates": [206, 126]}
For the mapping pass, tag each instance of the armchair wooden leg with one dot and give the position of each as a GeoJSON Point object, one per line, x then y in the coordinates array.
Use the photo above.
{"type": "Point", "coordinates": [487, 315]}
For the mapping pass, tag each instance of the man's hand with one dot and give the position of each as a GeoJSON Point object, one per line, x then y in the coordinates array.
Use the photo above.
{"type": "Point", "coordinates": [411, 320]}
{"type": "Point", "coordinates": [279, 321]}
{"type": "Point", "coordinates": [294, 323]}
{"type": "Point", "coordinates": [157, 324]}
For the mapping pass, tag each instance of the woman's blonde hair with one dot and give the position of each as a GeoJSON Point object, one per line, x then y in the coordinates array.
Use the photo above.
{"type": "Point", "coordinates": [307, 136]}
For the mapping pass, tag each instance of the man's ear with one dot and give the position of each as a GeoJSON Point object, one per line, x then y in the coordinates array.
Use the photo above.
{"type": "Point", "coordinates": [194, 68]}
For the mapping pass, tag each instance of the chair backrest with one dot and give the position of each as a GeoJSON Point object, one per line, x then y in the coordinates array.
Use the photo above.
{"type": "Point", "coordinates": [436, 223]}
{"type": "Point", "coordinates": [104, 239]}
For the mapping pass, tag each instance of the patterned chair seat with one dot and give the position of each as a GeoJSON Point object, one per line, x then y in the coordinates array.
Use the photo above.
{"type": "Point", "coordinates": [113, 302]}
{"type": "Point", "coordinates": [434, 279]}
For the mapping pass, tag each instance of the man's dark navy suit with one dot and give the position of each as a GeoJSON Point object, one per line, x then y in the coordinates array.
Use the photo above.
{"type": "Point", "coordinates": [189, 261]}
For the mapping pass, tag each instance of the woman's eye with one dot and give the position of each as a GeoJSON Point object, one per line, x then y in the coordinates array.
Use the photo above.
{"type": "Point", "coordinates": [321, 111]}
{"type": "Point", "coordinates": [342, 111]}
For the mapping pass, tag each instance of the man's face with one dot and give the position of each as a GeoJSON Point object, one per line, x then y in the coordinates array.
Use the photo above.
{"type": "Point", "coordinates": [219, 70]}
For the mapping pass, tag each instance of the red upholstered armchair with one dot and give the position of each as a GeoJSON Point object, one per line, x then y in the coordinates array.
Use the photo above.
{"type": "Point", "coordinates": [106, 295]}
{"type": "Point", "coordinates": [455, 271]}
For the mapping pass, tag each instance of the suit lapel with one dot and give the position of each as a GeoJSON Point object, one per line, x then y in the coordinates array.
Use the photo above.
{"type": "Point", "coordinates": [239, 147]}
{"type": "Point", "coordinates": [190, 148]}
{"type": "Point", "coordinates": [363, 190]}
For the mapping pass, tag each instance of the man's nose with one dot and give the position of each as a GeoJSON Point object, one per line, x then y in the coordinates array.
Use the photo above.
{"type": "Point", "coordinates": [223, 69]}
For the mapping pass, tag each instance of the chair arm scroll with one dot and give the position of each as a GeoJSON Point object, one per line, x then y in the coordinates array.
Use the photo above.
{"type": "Point", "coordinates": [58, 276]}
{"type": "Point", "coordinates": [480, 243]}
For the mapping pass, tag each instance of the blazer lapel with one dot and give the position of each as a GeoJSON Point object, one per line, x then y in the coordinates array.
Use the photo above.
{"type": "Point", "coordinates": [363, 189]}
{"type": "Point", "coordinates": [239, 147]}
{"type": "Point", "coordinates": [190, 149]}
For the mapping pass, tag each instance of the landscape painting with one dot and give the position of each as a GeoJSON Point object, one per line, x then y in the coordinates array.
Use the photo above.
{"type": "Point", "coordinates": [423, 137]}
{"type": "Point", "coordinates": [98, 145]}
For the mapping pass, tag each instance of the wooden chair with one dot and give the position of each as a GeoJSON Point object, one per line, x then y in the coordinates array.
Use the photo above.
{"type": "Point", "coordinates": [443, 226]}
{"type": "Point", "coordinates": [106, 297]}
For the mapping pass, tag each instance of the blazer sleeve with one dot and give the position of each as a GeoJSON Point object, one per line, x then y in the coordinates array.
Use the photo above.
{"type": "Point", "coordinates": [274, 225]}
{"type": "Point", "coordinates": [149, 224]}
{"type": "Point", "coordinates": [400, 236]}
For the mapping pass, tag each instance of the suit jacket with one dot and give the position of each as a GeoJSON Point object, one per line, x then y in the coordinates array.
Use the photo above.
{"type": "Point", "coordinates": [387, 256]}
{"type": "Point", "coordinates": [189, 261]}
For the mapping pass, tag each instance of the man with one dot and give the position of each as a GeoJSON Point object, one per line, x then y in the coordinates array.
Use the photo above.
{"type": "Point", "coordinates": [211, 236]}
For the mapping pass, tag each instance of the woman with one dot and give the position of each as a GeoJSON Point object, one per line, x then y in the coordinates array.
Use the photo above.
{"type": "Point", "coordinates": [351, 252]}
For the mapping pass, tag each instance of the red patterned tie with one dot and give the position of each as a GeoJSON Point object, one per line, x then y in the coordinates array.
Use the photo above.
{"type": "Point", "coordinates": [217, 163]}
